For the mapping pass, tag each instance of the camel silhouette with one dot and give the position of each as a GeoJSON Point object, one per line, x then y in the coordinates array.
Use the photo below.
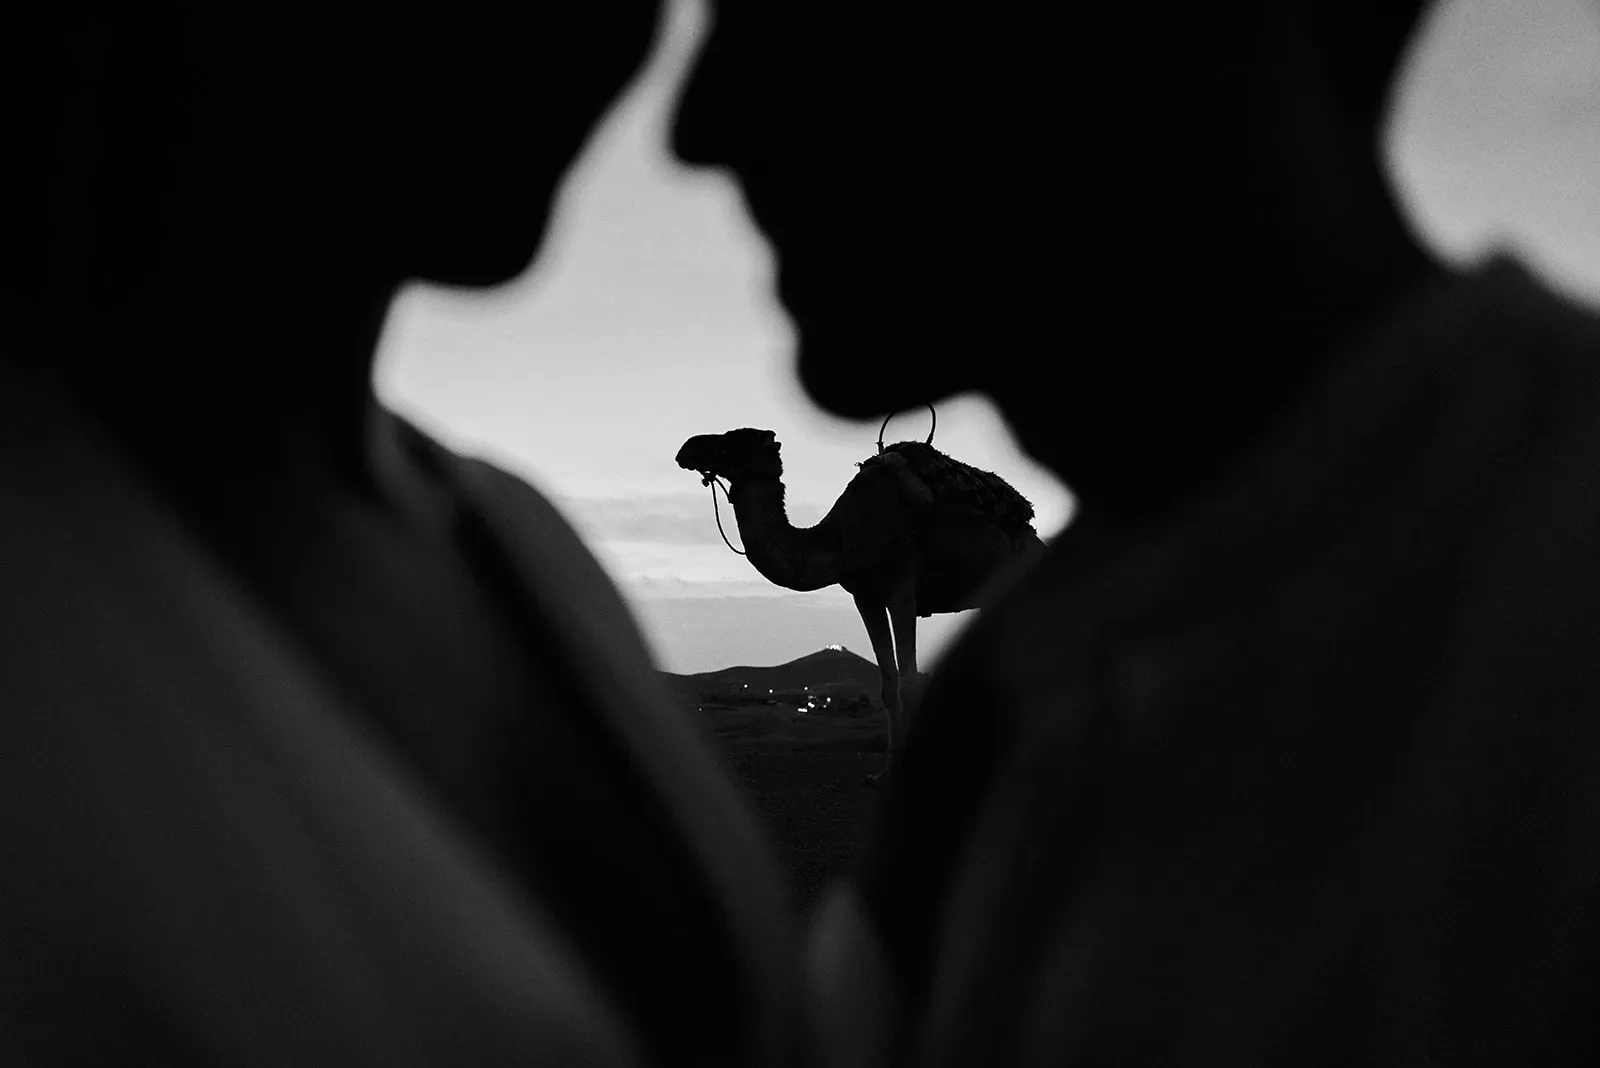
{"type": "Point", "coordinates": [915, 533]}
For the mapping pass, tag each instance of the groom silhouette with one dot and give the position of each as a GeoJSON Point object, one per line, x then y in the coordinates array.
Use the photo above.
{"type": "Point", "coordinates": [1286, 750]}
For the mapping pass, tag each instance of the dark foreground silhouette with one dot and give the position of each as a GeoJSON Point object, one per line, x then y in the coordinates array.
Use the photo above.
{"type": "Point", "coordinates": [320, 744]}
{"type": "Point", "coordinates": [1287, 751]}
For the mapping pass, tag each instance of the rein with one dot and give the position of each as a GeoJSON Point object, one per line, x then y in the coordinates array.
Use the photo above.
{"type": "Point", "coordinates": [707, 479]}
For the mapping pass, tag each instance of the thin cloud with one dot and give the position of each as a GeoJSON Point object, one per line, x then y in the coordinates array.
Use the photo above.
{"type": "Point", "coordinates": [669, 587]}
{"type": "Point", "coordinates": [665, 519]}
{"type": "Point", "coordinates": [636, 565]}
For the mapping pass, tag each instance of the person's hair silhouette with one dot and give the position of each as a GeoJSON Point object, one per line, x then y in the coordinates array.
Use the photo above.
{"type": "Point", "coordinates": [322, 744]}
{"type": "Point", "coordinates": [1286, 751]}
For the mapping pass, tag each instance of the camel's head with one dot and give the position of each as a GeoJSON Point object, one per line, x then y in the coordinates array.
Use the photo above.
{"type": "Point", "coordinates": [737, 455]}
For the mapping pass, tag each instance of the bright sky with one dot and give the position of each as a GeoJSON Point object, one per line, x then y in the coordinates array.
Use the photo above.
{"type": "Point", "coordinates": [649, 318]}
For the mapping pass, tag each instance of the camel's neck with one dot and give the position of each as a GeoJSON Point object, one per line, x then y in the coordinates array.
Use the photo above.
{"type": "Point", "coordinates": [797, 558]}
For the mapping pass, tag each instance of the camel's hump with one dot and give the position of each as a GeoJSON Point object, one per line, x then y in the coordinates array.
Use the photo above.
{"type": "Point", "coordinates": [954, 482]}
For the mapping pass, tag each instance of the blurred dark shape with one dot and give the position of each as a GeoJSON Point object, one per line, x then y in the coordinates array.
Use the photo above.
{"type": "Point", "coordinates": [1287, 751]}
{"type": "Point", "coordinates": [320, 743]}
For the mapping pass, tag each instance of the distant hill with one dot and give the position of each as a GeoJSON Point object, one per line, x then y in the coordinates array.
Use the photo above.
{"type": "Point", "coordinates": [829, 670]}
{"type": "Point", "coordinates": [828, 702]}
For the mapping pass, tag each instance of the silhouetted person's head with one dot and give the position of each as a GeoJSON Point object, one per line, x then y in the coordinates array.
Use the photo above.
{"type": "Point", "coordinates": [306, 146]}
{"type": "Point", "coordinates": [1096, 196]}
{"type": "Point", "coordinates": [221, 199]}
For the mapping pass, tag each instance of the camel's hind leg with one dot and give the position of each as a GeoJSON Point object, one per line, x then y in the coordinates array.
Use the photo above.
{"type": "Point", "coordinates": [875, 617]}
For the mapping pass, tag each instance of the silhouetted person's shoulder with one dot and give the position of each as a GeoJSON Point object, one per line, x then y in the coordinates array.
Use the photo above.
{"type": "Point", "coordinates": [207, 858]}
{"type": "Point", "coordinates": [1307, 775]}
{"type": "Point", "coordinates": [215, 850]}
{"type": "Point", "coordinates": [682, 900]}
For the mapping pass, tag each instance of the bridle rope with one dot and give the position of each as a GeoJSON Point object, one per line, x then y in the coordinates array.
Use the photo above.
{"type": "Point", "coordinates": [708, 479]}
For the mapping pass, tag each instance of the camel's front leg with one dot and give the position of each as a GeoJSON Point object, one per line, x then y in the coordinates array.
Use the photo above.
{"type": "Point", "coordinates": [903, 619]}
{"type": "Point", "coordinates": [876, 619]}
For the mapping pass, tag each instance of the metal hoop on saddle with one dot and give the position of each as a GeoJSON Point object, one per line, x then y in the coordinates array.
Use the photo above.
{"type": "Point", "coordinates": [931, 428]}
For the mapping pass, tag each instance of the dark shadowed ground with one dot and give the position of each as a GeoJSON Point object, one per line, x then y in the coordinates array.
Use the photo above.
{"type": "Point", "coordinates": [803, 774]}
{"type": "Point", "coordinates": [816, 806]}
{"type": "Point", "coordinates": [800, 738]}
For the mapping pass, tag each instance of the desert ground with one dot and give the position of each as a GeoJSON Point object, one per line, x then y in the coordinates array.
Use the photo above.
{"type": "Point", "coordinates": [799, 738]}
{"type": "Point", "coordinates": [810, 794]}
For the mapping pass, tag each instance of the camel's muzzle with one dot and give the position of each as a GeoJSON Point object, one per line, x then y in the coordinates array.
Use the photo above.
{"type": "Point", "coordinates": [694, 456]}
